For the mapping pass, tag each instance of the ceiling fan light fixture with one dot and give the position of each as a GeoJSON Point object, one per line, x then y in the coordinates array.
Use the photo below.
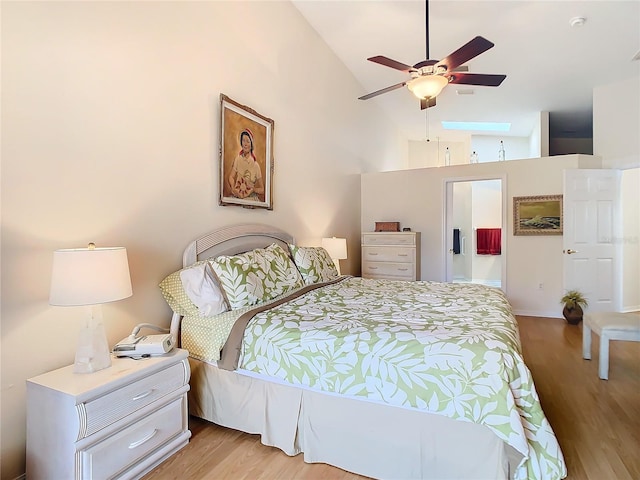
{"type": "Point", "coordinates": [427, 86]}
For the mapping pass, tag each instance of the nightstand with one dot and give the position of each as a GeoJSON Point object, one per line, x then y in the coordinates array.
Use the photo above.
{"type": "Point", "coordinates": [118, 422]}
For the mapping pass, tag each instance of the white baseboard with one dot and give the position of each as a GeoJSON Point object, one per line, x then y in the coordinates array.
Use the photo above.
{"type": "Point", "coordinates": [632, 308]}
{"type": "Point", "coordinates": [536, 313]}
{"type": "Point", "coordinates": [21, 477]}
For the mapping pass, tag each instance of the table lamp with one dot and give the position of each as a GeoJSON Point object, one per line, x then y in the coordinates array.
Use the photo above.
{"type": "Point", "coordinates": [337, 249]}
{"type": "Point", "coordinates": [90, 276]}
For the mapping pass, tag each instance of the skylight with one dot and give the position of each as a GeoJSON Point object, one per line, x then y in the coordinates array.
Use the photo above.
{"type": "Point", "coordinates": [479, 126]}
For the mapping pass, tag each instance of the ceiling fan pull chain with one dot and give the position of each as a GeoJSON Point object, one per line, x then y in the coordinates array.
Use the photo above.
{"type": "Point", "coordinates": [426, 124]}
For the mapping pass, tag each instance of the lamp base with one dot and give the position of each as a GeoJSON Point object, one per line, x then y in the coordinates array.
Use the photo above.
{"type": "Point", "coordinates": [336, 262]}
{"type": "Point", "coordinates": [92, 352]}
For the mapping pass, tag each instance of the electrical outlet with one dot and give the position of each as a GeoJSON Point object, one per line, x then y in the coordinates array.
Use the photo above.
{"type": "Point", "coordinates": [541, 286]}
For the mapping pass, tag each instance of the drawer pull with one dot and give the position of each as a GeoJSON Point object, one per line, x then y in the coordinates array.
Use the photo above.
{"type": "Point", "coordinates": [144, 394]}
{"type": "Point", "coordinates": [403, 269]}
{"type": "Point", "coordinates": [137, 443]}
{"type": "Point", "coordinates": [373, 268]}
{"type": "Point", "coordinates": [372, 254]}
{"type": "Point", "coordinates": [403, 255]}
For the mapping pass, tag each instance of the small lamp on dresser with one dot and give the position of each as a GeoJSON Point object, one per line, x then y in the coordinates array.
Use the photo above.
{"type": "Point", "coordinates": [337, 249]}
{"type": "Point", "coordinates": [90, 276]}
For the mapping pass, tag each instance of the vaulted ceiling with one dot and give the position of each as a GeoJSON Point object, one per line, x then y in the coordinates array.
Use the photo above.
{"type": "Point", "coordinates": [550, 65]}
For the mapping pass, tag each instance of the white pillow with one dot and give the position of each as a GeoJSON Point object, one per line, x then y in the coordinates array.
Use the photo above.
{"type": "Point", "coordinates": [202, 289]}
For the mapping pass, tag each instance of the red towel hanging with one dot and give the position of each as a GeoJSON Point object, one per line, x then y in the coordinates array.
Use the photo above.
{"type": "Point", "coordinates": [489, 241]}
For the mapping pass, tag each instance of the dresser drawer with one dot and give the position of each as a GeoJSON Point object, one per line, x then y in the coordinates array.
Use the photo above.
{"type": "Point", "coordinates": [389, 254]}
{"type": "Point", "coordinates": [388, 239]}
{"type": "Point", "coordinates": [109, 458]}
{"type": "Point", "coordinates": [107, 409]}
{"type": "Point", "coordinates": [391, 270]}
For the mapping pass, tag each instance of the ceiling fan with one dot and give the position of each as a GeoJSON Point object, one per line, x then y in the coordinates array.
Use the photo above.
{"type": "Point", "coordinates": [428, 77]}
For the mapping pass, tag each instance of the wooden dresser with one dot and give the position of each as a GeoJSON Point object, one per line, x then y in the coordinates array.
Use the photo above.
{"type": "Point", "coordinates": [391, 255]}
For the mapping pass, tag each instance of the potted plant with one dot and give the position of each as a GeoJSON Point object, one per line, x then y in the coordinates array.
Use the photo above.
{"type": "Point", "coordinates": [574, 301]}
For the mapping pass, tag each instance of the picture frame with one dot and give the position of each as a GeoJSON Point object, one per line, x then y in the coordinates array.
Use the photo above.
{"type": "Point", "coordinates": [538, 215]}
{"type": "Point", "coordinates": [246, 170]}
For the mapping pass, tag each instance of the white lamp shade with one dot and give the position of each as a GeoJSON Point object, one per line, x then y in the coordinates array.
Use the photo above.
{"type": "Point", "coordinates": [89, 276]}
{"type": "Point", "coordinates": [427, 86]}
{"type": "Point", "coordinates": [336, 247]}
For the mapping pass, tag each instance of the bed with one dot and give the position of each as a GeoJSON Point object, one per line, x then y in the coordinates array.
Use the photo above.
{"type": "Point", "coordinates": [386, 379]}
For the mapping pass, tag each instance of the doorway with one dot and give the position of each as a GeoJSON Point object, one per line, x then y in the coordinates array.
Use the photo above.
{"type": "Point", "coordinates": [475, 207]}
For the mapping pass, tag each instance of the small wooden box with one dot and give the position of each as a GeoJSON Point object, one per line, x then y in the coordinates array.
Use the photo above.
{"type": "Point", "coordinates": [387, 227]}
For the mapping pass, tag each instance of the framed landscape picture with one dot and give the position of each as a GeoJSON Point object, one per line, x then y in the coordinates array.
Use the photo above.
{"type": "Point", "coordinates": [246, 156]}
{"type": "Point", "coordinates": [540, 215]}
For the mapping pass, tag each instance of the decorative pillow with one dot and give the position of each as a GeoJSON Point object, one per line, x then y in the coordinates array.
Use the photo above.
{"type": "Point", "coordinates": [283, 274]}
{"type": "Point", "coordinates": [314, 263]}
{"type": "Point", "coordinates": [256, 276]}
{"type": "Point", "coordinates": [193, 291]}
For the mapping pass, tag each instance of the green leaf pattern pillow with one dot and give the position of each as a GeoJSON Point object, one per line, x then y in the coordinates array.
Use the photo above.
{"type": "Point", "coordinates": [256, 276]}
{"type": "Point", "coordinates": [284, 271]}
{"type": "Point", "coordinates": [314, 263]}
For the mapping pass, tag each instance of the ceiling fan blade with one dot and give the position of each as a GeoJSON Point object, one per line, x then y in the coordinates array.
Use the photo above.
{"type": "Point", "coordinates": [384, 90]}
{"type": "Point", "coordinates": [469, 50]}
{"type": "Point", "coordinates": [427, 103]}
{"type": "Point", "coordinates": [388, 62]}
{"type": "Point", "coordinates": [481, 79]}
{"type": "Point", "coordinates": [461, 68]}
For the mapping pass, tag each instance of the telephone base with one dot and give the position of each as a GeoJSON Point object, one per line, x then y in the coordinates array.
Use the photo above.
{"type": "Point", "coordinates": [145, 346]}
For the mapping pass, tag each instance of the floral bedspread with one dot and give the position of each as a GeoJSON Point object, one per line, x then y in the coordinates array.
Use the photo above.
{"type": "Point", "coordinates": [449, 349]}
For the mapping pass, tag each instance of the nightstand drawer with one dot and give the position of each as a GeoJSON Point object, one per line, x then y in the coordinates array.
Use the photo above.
{"type": "Point", "coordinates": [389, 254]}
{"type": "Point", "coordinates": [120, 451]}
{"type": "Point", "coordinates": [391, 270]}
{"type": "Point", "coordinates": [109, 408]}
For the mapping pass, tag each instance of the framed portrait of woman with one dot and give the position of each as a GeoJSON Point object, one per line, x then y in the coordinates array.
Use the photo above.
{"type": "Point", "coordinates": [246, 156]}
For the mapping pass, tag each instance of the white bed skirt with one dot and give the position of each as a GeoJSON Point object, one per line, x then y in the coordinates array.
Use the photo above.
{"type": "Point", "coordinates": [363, 437]}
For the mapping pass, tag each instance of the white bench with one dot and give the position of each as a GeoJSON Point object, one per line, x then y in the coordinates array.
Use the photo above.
{"type": "Point", "coordinates": [609, 326]}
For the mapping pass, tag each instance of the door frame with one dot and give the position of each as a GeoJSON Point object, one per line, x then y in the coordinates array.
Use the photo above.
{"type": "Point", "coordinates": [447, 219]}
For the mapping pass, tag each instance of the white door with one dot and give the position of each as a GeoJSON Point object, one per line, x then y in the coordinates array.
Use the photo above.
{"type": "Point", "coordinates": [591, 247]}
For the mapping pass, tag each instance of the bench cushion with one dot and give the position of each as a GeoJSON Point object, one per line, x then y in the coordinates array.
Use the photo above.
{"type": "Point", "coordinates": [603, 321]}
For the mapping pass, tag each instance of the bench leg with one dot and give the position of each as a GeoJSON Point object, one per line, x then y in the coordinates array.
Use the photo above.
{"type": "Point", "coordinates": [586, 342]}
{"type": "Point", "coordinates": [603, 368]}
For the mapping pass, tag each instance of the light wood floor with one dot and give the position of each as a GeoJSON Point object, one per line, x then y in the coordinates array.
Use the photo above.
{"type": "Point", "coordinates": [597, 422]}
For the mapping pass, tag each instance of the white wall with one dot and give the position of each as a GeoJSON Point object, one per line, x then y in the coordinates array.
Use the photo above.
{"type": "Point", "coordinates": [415, 199]}
{"type": "Point", "coordinates": [616, 123]}
{"type": "Point", "coordinates": [110, 129]}
{"type": "Point", "coordinates": [462, 218]}
{"type": "Point", "coordinates": [432, 153]}
{"type": "Point", "coordinates": [487, 147]}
